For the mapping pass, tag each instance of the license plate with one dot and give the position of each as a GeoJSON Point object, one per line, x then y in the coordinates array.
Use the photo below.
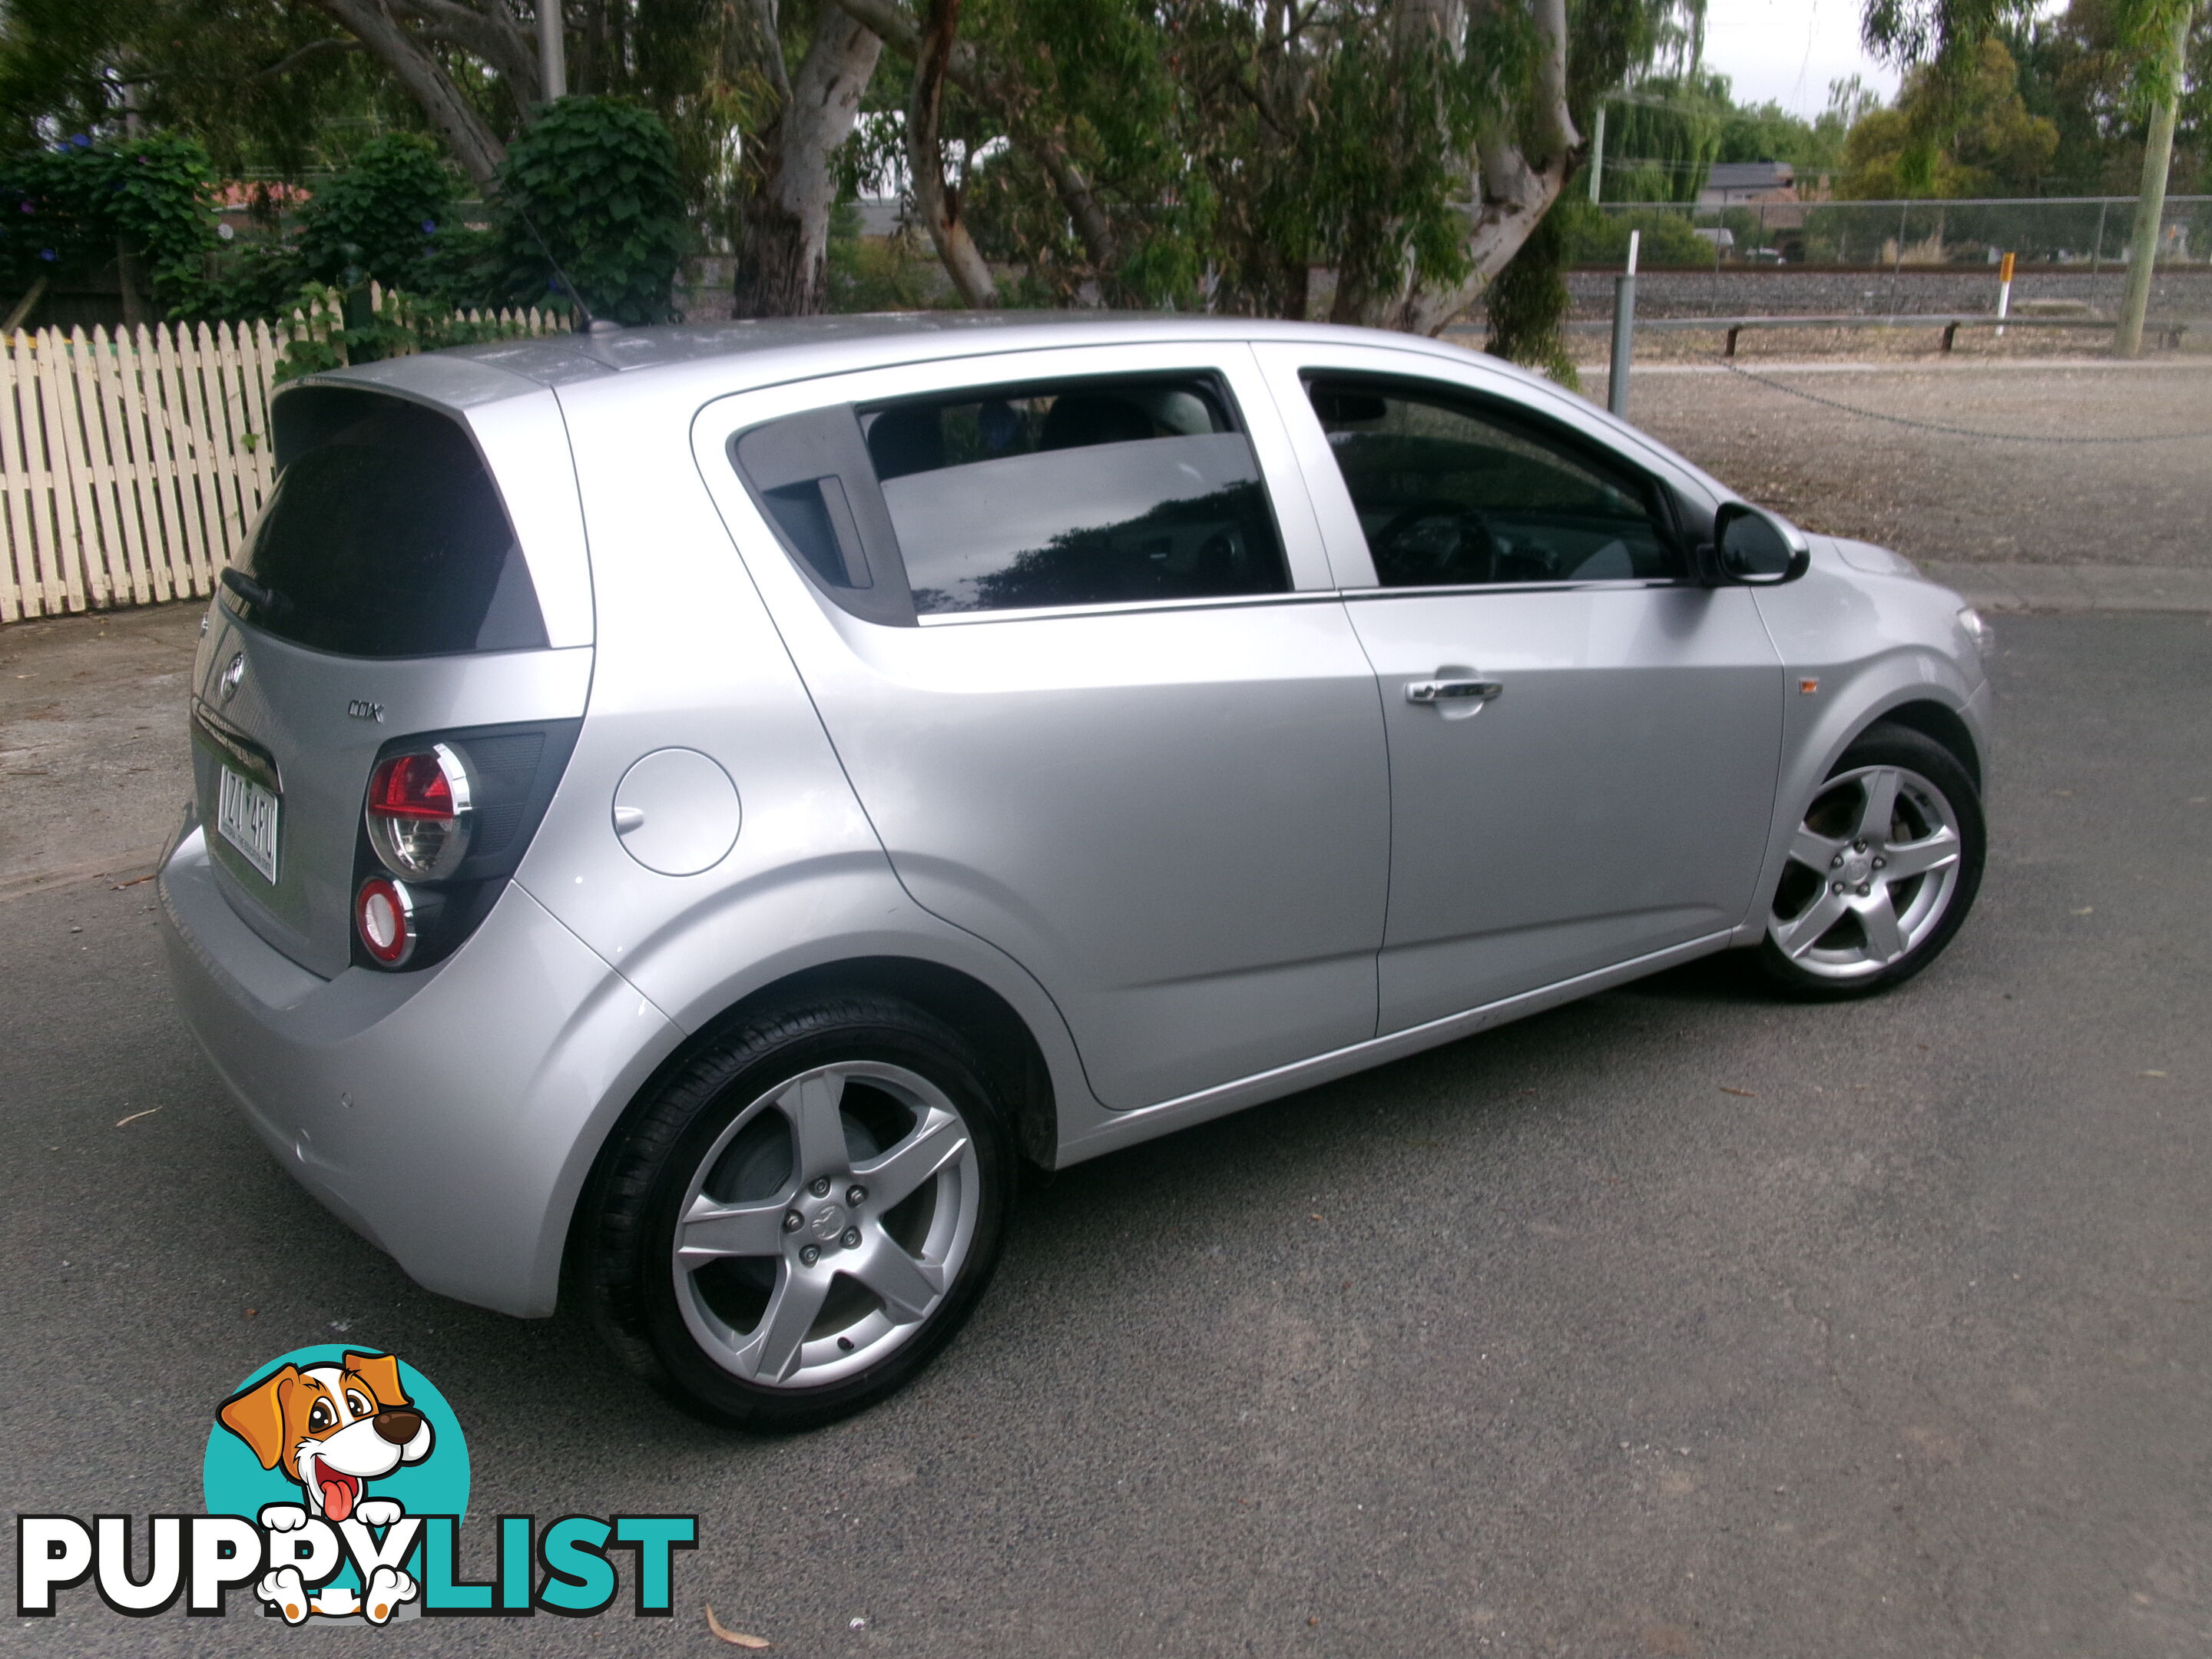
{"type": "Point", "coordinates": [246, 815]}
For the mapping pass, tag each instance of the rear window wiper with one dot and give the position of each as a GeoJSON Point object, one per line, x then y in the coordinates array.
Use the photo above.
{"type": "Point", "coordinates": [267, 601]}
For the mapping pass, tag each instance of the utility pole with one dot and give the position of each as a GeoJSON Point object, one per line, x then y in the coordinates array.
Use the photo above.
{"type": "Point", "coordinates": [2150, 202]}
{"type": "Point", "coordinates": [1597, 152]}
{"type": "Point", "coordinates": [552, 51]}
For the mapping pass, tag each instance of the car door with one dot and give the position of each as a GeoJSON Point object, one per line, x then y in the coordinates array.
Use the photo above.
{"type": "Point", "coordinates": [1068, 623]}
{"type": "Point", "coordinates": [1584, 743]}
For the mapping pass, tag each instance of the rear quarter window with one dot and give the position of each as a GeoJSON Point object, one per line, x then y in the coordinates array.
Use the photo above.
{"type": "Point", "coordinates": [385, 537]}
{"type": "Point", "coordinates": [1099, 490]}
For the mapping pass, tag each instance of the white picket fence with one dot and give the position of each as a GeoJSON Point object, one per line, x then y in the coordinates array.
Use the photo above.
{"type": "Point", "coordinates": [132, 465]}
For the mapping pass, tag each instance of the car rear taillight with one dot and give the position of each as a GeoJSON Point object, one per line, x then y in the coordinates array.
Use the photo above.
{"type": "Point", "coordinates": [384, 920]}
{"type": "Point", "coordinates": [446, 820]}
{"type": "Point", "coordinates": [418, 813]}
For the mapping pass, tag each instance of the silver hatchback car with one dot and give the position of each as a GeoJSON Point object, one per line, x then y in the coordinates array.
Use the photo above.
{"type": "Point", "coordinates": [684, 816]}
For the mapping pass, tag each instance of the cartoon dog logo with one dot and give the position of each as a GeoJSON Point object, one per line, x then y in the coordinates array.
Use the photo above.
{"type": "Point", "coordinates": [333, 1429]}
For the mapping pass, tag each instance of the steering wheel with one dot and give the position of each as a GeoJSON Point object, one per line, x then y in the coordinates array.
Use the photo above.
{"type": "Point", "coordinates": [1435, 543]}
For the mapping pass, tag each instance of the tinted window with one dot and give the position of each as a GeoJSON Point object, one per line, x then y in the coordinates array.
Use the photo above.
{"type": "Point", "coordinates": [1075, 492]}
{"type": "Point", "coordinates": [385, 537]}
{"type": "Point", "coordinates": [1449, 493]}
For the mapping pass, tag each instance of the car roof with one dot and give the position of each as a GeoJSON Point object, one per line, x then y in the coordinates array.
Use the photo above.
{"type": "Point", "coordinates": [745, 355]}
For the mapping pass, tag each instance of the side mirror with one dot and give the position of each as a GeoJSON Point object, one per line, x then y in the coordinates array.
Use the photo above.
{"type": "Point", "coordinates": [1753, 548]}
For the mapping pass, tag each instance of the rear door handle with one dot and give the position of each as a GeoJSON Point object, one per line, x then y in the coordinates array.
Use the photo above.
{"type": "Point", "coordinates": [1452, 691]}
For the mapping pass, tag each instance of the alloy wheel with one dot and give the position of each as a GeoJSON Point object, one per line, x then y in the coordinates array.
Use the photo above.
{"type": "Point", "coordinates": [826, 1224]}
{"type": "Point", "coordinates": [1872, 872]}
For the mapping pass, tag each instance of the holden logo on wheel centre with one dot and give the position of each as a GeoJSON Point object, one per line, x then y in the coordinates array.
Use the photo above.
{"type": "Point", "coordinates": [828, 1222]}
{"type": "Point", "coordinates": [335, 1482]}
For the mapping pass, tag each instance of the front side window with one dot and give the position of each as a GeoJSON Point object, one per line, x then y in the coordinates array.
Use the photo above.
{"type": "Point", "coordinates": [1080, 492]}
{"type": "Point", "coordinates": [1451, 492]}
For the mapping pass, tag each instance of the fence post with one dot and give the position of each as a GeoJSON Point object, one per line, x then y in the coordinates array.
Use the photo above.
{"type": "Point", "coordinates": [1897, 264]}
{"type": "Point", "coordinates": [1623, 332]}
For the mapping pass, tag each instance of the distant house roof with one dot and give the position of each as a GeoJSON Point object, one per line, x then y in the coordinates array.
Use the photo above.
{"type": "Point", "coordinates": [234, 194]}
{"type": "Point", "coordinates": [1743, 180]}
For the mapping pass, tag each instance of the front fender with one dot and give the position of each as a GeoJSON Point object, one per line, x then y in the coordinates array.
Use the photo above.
{"type": "Point", "coordinates": [1855, 644]}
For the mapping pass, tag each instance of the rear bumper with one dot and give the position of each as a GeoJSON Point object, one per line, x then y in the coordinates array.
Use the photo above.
{"type": "Point", "coordinates": [449, 1115]}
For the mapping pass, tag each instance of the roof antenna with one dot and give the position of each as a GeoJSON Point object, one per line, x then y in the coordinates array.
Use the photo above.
{"type": "Point", "coordinates": [592, 324]}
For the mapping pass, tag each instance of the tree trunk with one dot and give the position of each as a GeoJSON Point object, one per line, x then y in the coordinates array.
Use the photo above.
{"type": "Point", "coordinates": [130, 275]}
{"type": "Point", "coordinates": [783, 264]}
{"type": "Point", "coordinates": [998, 92]}
{"type": "Point", "coordinates": [21, 310]}
{"type": "Point", "coordinates": [1513, 188]}
{"type": "Point", "coordinates": [2151, 201]}
{"type": "Point", "coordinates": [939, 207]}
{"type": "Point", "coordinates": [1499, 229]}
{"type": "Point", "coordinates": [475, 146]}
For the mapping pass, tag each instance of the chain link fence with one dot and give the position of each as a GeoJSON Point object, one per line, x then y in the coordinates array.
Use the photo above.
{"type": "Point", "coordinates": [2089, 233]}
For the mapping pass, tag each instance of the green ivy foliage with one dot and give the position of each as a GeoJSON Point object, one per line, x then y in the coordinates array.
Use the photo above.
{"type": "Point", "coordinates": [597, 178]}
{"type": "Point", "coordinates": [387, 217]}
{"type": "Point", "coordinates": [66, 212]}
{"type": "Point", "coordinates": [253, 279]}
{"type": "Point", "coordinates": [381, 217]}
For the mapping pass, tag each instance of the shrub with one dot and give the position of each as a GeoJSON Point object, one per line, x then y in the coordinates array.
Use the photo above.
{"type": "Point", "coordinates": [1602, 239]}
{"type": "Point", "coordinates": [64, 211]}
{"type": "Point", "coordinates": [596, 180]}
{"type": "Point", "coordinates": [882, 273]}
{"type": "Point", "coordinates": [257, 279]}
{"type": "Point", "coordinates": [382, 219]}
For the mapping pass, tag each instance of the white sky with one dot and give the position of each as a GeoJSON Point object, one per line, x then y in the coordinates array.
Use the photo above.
{"type": "Point", "coordinates": [1789, 50]}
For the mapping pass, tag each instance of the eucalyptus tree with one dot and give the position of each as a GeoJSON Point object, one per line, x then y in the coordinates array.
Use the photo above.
{"type": "Point", "coordinates": [1221, 151]}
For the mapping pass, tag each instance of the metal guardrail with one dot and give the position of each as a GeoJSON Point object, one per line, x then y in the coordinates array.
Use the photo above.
{"type": "Point", "coordinates": [2169, 330]}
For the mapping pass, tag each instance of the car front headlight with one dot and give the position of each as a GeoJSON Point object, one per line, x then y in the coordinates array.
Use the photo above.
{"type": "Point", "coordinates": [1976, 630]}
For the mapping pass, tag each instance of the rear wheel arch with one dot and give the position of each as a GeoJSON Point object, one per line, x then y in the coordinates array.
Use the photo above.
{"type": "Point", "coordinates": [1002, 1039]}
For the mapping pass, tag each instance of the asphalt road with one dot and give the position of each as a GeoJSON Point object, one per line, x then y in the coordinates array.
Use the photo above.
{"type": "Point", "coordinates": [1678, 1323]}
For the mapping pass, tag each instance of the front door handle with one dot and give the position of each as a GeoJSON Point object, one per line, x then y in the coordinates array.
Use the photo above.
{"type": "Point", "coordinates": [1452, 691]}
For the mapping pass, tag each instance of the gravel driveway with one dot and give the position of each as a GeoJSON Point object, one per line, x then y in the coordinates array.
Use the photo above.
{"type": "Point", "coordinates": [1947, 499]}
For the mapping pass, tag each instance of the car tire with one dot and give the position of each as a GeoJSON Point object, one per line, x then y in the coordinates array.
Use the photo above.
{"type": "Point", "coordinates": [1842, 921]}
{"type": "Point", "coordinates": [802, 1214]}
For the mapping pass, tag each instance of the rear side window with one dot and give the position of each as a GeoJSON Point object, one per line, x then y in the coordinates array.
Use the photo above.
{"type": "Point", "coordinates": [1020, 497]}
{"type": "Point", "coordinates": [1075, 492]}
{"type": "Point", "coordinates": [384, 536]}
